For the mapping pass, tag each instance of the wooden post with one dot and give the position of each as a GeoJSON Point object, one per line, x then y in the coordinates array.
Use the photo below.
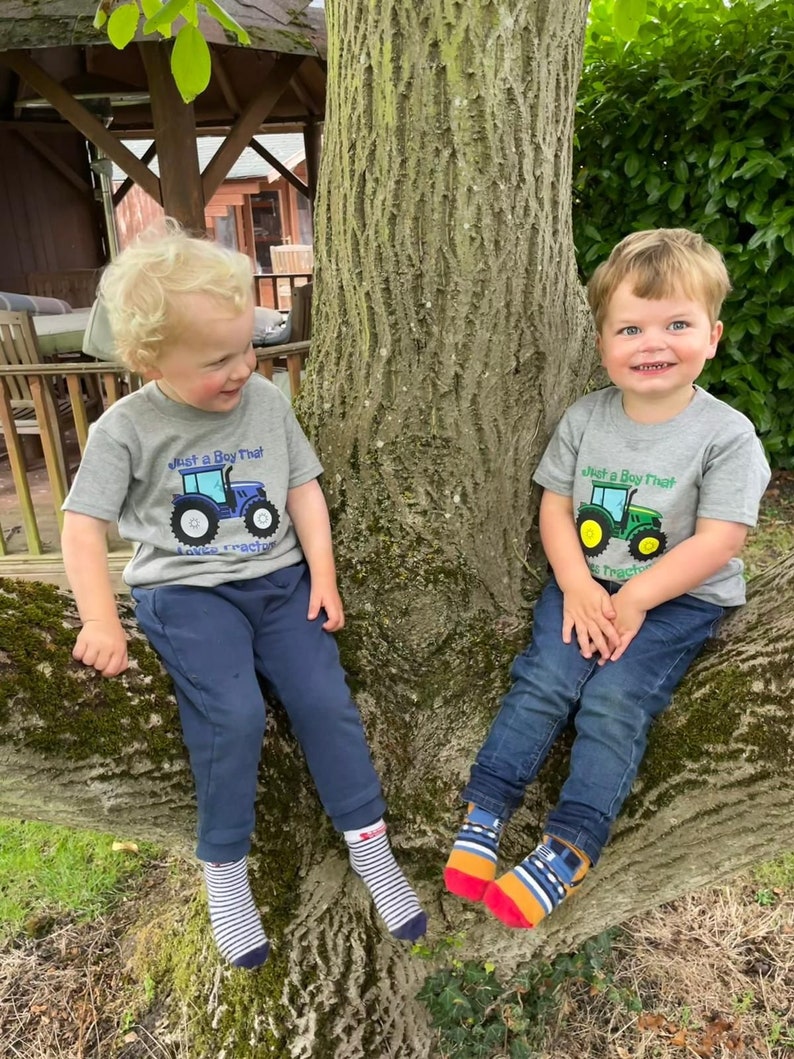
{"type": "Point", "coordinates": [175, 135]}
{"type": "Point", "coordinates": [312, 141]}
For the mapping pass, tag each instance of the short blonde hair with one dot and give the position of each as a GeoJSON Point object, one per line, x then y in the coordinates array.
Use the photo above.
{"type": "Point", "coordinates": [141, 288]}
{"type": "Point", "coordinates": [661, 262]}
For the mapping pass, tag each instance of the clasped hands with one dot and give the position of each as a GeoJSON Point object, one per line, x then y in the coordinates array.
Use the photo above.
{"type": "Point", "coordinates": [602, 624]}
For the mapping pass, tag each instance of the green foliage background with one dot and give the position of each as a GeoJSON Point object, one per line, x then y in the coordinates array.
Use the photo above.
{"type": "Point", "coordinates": [688, 123]}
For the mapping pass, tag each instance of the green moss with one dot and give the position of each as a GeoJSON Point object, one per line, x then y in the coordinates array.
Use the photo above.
{"type": "Point", "coordinates": [65, 709]}
{"type": "Point", "coordinates": [717, 702]}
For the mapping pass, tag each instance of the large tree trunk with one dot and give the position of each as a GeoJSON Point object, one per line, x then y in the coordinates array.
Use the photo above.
{"type": "Point", "coordinates": [449, 334]}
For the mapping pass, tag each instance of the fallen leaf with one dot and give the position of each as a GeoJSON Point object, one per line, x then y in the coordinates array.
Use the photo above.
{"type": "Point", "coordinates": [125, 847]}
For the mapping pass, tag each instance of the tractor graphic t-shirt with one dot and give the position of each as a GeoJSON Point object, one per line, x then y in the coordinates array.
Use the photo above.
{"type": "Point", "coordinates": [639, 488]}
{"type": "Point", "coordinates": [202, 494]}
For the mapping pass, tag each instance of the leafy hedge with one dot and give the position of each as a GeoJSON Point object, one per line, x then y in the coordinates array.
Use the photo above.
{"type": "Point", "coordinates": [690, 125]}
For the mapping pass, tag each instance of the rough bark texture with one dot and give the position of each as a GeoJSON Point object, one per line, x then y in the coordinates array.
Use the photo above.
{"type": "Point", "coordinates": [449, 335]}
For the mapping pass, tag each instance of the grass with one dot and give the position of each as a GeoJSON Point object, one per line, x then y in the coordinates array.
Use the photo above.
{"type": "Point", "coordinates": [49, 873]}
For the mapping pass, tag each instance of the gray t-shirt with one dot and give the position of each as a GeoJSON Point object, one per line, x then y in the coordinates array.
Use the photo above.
{"type": "Point", "coordinates": [203, 494]}
{"type": "Point", "coordinates": [638, 488]}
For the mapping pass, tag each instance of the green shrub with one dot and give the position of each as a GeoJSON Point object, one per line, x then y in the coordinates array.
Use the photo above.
{"type": "Point", "coordinates": [690, 125]}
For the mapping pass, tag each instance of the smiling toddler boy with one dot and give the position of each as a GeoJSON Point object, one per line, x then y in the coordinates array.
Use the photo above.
{"type": "Point", "coordinates": [650, 486]}
{"type": "Point", "coordinates": [207, 470]}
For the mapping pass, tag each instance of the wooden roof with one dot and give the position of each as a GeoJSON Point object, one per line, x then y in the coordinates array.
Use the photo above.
{"type": "Point", "coordinates": [274, 25]}
{"type": "Point", "coordinates": [59, 37]}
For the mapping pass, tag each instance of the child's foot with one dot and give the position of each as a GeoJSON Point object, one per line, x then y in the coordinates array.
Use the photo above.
{"type": "Point", "coordinates": [235, 921]}
{"type": "Point", "coordinates": [472, 862]}
{"type": "Point", "coordinates": [372, 859]}
{"type": "Point", "coordinates": [523, 896]}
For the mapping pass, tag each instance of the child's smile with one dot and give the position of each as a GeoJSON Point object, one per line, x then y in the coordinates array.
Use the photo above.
{"type": "Point", "coordinates": [654, 349]}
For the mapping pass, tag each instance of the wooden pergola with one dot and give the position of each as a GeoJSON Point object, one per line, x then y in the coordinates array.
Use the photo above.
{"type": "Point", "coordinates": [56, 70]}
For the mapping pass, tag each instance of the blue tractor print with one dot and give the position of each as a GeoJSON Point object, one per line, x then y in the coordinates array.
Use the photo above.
{"type": "Point", "coordinates": [209, 496]}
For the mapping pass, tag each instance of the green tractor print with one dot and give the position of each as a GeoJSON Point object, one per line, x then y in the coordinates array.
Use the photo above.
{"type": "Point", "coordinates": [610, 513]}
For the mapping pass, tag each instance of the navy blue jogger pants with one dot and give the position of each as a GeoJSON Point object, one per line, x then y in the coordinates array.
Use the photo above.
{"type": "Point", "coordinates": [213, 642]}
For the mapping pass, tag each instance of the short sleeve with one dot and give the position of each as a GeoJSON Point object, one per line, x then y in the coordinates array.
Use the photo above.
{"type": "Point", "coordinates": [735, 475]}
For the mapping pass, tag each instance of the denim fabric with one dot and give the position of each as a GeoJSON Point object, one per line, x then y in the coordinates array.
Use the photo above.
{"type": "Point", "coordinates": [612, 708]}
{"type": "Point", "coordinates": [213, 642]}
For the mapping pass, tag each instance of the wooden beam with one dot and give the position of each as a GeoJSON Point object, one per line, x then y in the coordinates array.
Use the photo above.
{"type": "Point", "coordinates": [54, 160]}
{"type": "Point", "coordinates": [288, 175]}
{"type": "Point", "coordinates": [124, 188]}
{"type": "Point", "coordinates": [312, 141]}
{"type": "Point", "coordinates": [225, 85]}
{"type": "Point", "coordinates": [175, 135]}
{"type": "Point", "coordinates": [256, 110]}
{"type": "Point", "coordinates": [85, 122]}
{"type": "Point", "coordinates": [301, 90]}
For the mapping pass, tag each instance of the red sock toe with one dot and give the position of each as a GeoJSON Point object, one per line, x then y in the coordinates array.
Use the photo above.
{"type": "Point", "coordinates": [462, 885]}
{"type": "Point", "coordinates": [504, 908]}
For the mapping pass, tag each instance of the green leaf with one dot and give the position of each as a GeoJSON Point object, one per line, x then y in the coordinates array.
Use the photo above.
{"type": "Point", "coordinates": [190, 63]}
{"type": "Point", "coordinates": [227, 21]}
{"type": "Point", "coordinates": [122, 24]}
{"type": "Point", "coordinates": [627, 16]}
{"type": "Point", "coordinates": [151, 7]}
{"type": "Point", "coordinates": [100, 17]}
{"type": "Point", "coordinates": [676, 197]}
{"type": "Point", "coordinates": [165, 16]}
{"type": "Point", "coordinates": [631, 166]}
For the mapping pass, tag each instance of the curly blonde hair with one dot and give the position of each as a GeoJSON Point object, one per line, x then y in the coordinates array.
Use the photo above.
{"type": "Point", "coordinates": [141, 289]}
{"type": "Point", "coordinates": [660, 263]}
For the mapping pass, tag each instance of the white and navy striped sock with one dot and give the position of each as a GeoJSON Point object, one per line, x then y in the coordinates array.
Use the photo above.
{"type": "Point", "coordinates": [372, 859]}
{"type": "Point", "coordinates": [235, 921]}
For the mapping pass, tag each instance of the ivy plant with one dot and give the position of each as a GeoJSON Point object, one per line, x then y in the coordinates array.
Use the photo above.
{"type": "Point", "coordinates": [190, 56]}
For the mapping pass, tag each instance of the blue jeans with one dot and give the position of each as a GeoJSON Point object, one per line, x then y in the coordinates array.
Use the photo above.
{"type": "Point", "coordinates": [612, 708]}
{"type": "Point", "coordinates": [214, 642]}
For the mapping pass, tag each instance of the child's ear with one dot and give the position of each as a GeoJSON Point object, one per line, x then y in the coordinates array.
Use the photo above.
{"type": "Point", "coordinates": [599, 346]}
{"type": "Point", "coordinates": [714, 338]}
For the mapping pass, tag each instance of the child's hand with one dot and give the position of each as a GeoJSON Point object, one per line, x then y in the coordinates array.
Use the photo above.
{"type": "Point", "coordinates": [325, 595]}
{"type": "Point", "coordinates": [588, 611]}
{"type": "Point", "coordinates": [103, 645]}
{"type": "Point", "coordinates": [629, 616]}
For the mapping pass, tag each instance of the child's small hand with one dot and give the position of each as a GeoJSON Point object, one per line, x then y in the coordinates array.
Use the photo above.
{"type": "Point", "coordinates": [103, 645]}
{"type": "Point", "coordinates": [588, 611]}
{"type": "Point", "coordinates": [629, 616]}
{"type": "Point", "coordinates": [325, 596]}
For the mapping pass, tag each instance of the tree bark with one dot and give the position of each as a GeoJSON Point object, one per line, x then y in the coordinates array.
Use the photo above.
{"type": "Point", "coordinates": [449, 334]}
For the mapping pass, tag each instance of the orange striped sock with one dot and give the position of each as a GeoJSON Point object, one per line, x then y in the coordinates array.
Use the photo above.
{"type": "Point", "coordinates": [534, 888]}
{"type": "Point", "coordinates": [472, 862]}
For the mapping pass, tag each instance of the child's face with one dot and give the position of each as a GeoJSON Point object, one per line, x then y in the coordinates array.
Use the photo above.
{"type": "Point", "coordinates": [212, 359]}
{"type": "Point", "coordinates": [653, 350]}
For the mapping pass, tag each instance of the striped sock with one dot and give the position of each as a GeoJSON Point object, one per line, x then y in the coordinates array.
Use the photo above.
{"type": "Point", "coordinates": [372, 859]}
{"type": "Point", "coordinates": [523, 896]}
{"type": "Point", "coordinates": [472, 862]}
{"type": "Point", "coordinates": [235, 921]}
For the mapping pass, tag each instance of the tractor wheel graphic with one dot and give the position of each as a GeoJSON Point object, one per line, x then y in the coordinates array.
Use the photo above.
{"type": "Point", "coordinates": [594, 532]}
{"type": "Point", "coordinates": [194, 522]}
{"type": "Point", "coordinates": [261, 519]}
{"type": "Point", "coordinates": [647, 544]}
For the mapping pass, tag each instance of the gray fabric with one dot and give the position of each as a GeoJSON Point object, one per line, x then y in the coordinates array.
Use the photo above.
{"type": "Point", "coordinates": [130, 473]}
{"type": "Point", "coordinates": [98, 338]}
{"type": "Point", "coordinates": [707, 462]}
{"type": "Point", "coordinates": [33, 304]}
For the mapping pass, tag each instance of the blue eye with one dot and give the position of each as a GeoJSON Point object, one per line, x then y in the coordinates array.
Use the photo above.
{"type": "Point", "coordinates": [679, 325]}
{"type": "Point", "coordinates": [631, 330]}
